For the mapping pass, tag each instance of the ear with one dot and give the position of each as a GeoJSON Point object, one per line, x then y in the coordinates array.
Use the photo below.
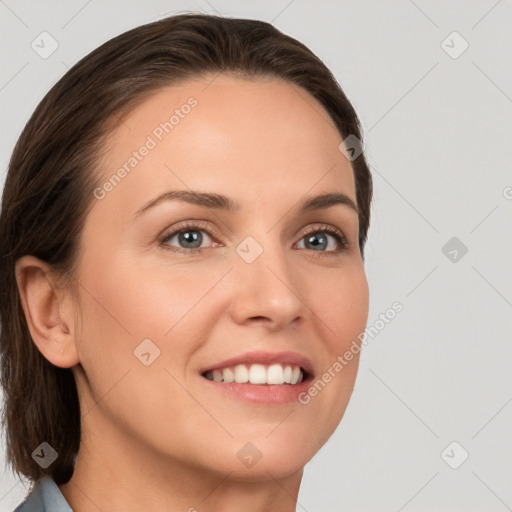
{"type": "Point", "coordinates": [48, 311]}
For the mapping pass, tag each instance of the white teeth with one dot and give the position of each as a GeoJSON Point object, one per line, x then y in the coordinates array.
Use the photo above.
{"type": "Point", "coordinates": [228, 375]}
{"type": "Point", "coordinates": [257, 374]}
{"type": "Point", "coordinates": [295, 375]}
{"type": "Point", "coordinates": [287, 374]}
{"type": "Point", "coordinates": [274, 374]}
{"type": "Point", "coordinates": [241, 374]}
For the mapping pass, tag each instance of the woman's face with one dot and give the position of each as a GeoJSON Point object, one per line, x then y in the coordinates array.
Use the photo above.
{"type": "Point", "coordinates": [239, 285]}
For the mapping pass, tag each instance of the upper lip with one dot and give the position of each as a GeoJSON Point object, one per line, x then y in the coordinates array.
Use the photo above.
{"type": "Point", "coordinates": [261, 357]}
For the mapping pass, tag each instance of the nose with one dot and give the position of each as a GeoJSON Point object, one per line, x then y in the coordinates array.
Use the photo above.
{"type": "Point", "coordinates": [268, 290]}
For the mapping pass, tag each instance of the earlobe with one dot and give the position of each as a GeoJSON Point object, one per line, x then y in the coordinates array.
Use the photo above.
{"type": "Point", "coordinates": [51, 325]}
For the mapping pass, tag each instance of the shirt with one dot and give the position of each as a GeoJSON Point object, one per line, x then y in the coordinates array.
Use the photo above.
{"type": "Point", "coordinates": [45, 497]}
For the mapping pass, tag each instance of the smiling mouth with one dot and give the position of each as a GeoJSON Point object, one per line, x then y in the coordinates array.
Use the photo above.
{"type": "Point", "coordinates": [260, 374]}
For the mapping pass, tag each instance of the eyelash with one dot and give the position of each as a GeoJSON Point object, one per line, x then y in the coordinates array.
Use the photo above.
{"type": "Point", "coordinates": [202, 226]}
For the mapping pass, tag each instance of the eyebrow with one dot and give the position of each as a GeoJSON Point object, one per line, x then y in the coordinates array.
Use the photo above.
{"type": "Point", "coordinates": [222, 202]}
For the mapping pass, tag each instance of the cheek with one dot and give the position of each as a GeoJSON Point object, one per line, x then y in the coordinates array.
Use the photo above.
{"type": "Point", "coordinates": [125, 303]}
{"type": "Point", "coordinates": [122, 307]}
{"type": "Point", "coordinates": [341, 301]}
{"type": "Point", "coordinates": [147, 299]}
{"type": "Point", "coordinates": [342, 306]}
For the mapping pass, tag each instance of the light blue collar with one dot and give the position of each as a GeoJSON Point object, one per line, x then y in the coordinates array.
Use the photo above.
{"type": "Point", "coordinates": [45, 497]}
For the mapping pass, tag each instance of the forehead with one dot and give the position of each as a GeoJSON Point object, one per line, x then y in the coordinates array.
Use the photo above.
{"type": "Point", "coordinates": [245, 138]}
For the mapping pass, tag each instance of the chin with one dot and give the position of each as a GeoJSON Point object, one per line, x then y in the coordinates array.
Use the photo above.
{"type": "Point", "coordinates": [264, 457]}
{"type": "Point", "coordinates": [271, 467]}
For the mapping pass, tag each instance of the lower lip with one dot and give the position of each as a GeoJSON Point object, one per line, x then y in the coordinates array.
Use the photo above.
{"type": "Point", "coordinates": [268, 394]}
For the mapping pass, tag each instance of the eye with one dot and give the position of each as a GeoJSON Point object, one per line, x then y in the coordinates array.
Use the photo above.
{"type": "Point", "coordinates": [188, 238]}
{"type": "Point", "coordinates": [318, 241]}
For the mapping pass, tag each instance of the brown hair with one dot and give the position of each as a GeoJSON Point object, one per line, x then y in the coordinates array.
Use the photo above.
{"type": "Point", "coordinates": [52, 174]}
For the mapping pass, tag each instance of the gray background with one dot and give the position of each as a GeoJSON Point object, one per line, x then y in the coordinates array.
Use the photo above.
{"type": "Point", "coordinates": [437, 132]}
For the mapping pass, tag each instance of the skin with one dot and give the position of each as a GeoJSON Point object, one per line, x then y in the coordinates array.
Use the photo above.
{"type": "Point", "coordinates": [157, 437]}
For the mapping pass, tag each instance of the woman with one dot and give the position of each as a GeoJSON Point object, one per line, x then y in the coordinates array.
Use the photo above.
{"type": "Point", "coordinates": [183, 226]}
